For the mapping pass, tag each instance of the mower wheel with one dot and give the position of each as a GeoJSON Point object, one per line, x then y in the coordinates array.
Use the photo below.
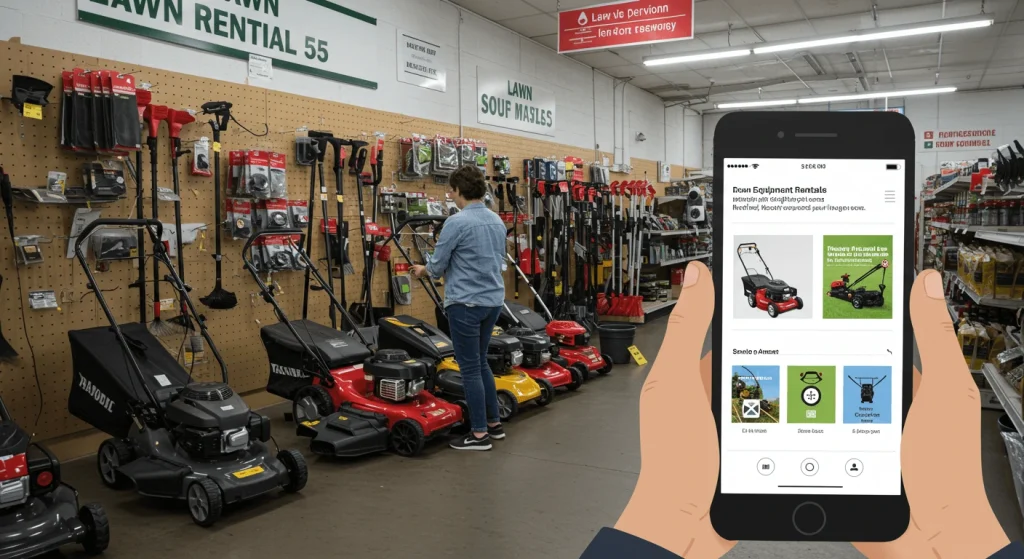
{"type": "Point", "coordinates": [773, 311]}
{"type": "Point", "coordinates": [298, 472]}
{"type": "Point", "coordinates": [508, 406]}
{"type": "Point", "coordinates": [311, 403]}
{"type": "Point", "coordinates": [582, 369]}
{"type": "Point", "coordinates": [464, 427]}
{"type": "Point", "coordinates": [858, 303]}
{"type": "Point", "coordinates": [113, 454]}
{"type": "Point", "coordinates": [205, 503]}
{"type": "Point", "coordinates": [97, 528]}
{"type": "Point", "coordinates": [547, 392]}
{"type": "Point", "coordinates": [608, 363]}
{"type": "Point", "coordinates": [799, 303]}
{"type": "Point", "coordinates": [577, 380]}
{"type": "Point", "coordinates": [407, 438]}
{"type": "Point", "coordinates": [751, 300]}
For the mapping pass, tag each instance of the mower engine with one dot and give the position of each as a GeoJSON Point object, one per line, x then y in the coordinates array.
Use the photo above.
{"type": "Point", "coordinates": [537, 348]}
{"type": "Point", "coordinates": [210, 420]}
{"type": "Point", "coordinates": [25, 469]}
{"type": "Point", "coordinates": [395, 376]}
{"type": "Point", "coordinates": [504, 352]}
{"type": "Point", "coordinates": [779, 291]}
{"type": "Point", "coordinates": [568, 333]}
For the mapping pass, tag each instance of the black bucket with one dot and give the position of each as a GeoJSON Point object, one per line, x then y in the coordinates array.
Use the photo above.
{"type": "Point", "coordinates": [616, 337]}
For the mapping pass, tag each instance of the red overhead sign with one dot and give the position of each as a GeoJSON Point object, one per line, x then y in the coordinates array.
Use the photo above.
{"type": "Point", "coordinates": [634, 22]}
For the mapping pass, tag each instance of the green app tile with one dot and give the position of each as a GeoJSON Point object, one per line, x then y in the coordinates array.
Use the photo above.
{"type": "Point", "coordinates": [811, 394]}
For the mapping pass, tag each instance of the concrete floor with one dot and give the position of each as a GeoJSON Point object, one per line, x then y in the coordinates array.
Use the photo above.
{"type": "Point", "coordinates": [563, 472]}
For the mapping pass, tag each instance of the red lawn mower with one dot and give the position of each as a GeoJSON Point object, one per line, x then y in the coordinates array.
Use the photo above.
{"type": "Point", "coordinates": [350, 399]}
{"type": "Point", "coordinates": [763, 291]}
{"type": "Point", "coordinates": [860, 297]}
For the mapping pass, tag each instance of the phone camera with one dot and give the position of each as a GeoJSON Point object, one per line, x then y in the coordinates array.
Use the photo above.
{"type": "Point", "coordinates": [781, 134]}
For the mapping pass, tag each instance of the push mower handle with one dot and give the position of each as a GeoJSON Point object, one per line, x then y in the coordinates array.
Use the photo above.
{"type": "Point", "coordinates": [282, 232]}
{"type": "Point", "coordinates": [149, 224]}
{"type": "Point", "coordinates": [748, 246]}
{"type": "Point", "coordinates": [221, 110]}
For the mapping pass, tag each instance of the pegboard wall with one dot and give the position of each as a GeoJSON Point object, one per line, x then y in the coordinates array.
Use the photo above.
{"type": "Point", "coordinates": [36, 384]}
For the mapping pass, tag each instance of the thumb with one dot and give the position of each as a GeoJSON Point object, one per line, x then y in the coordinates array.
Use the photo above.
{"type": "Point", "coordinates": [677, 369]}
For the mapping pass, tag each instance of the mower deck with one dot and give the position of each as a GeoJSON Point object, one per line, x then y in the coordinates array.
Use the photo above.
{"type": "Point", "coordinates": [43, 524]}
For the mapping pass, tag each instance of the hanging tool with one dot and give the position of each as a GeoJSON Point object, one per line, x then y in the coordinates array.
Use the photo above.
{"type": "Point", "coordinates": [315, 148]}
{"type": "Point", "coordinates": [7, 351]}
{"type": "Point", "coordinates": [364, 310]}
{"type": "Point", "coordinates": [219, 298]}
{"type": "Point", "coordinates": [153, 116]}
{"type": "Point", "coordinates": [142, 100]}
{"type": "Point", "coordinates": [322, 139]}
{"type": "Point", "coordinates": [176, 120]}
{"type": "Point", "coordinates": [340, 242]}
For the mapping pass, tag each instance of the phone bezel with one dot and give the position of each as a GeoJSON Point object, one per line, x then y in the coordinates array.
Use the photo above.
{"type": "Point", "coordinates": [812, 135]}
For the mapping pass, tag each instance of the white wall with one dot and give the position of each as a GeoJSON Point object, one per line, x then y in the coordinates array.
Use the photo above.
{"type": "Point", "coordinates": [585, 114]}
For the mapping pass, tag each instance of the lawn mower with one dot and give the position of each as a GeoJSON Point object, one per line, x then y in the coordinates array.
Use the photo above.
{"type": "Point", "coordinates": [348, 399]}
{"type": "Point", "coordinates": [867, 387]}
{"type": "Point", "coordinates": [571, 338]}
{"type": "Point", "coordinates": [763, 291]}
{"type": "Point", "coordinates": [860, 297]}
{"type": "Point", "coordinates": [39, 513]}
{"type": "Point", "coordinates": [425, 341]}
{"type": "Point", "coordinates": [171, 437]}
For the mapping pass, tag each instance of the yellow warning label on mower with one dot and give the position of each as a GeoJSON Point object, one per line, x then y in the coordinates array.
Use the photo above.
{"type": "Point", "coordinates": [34, 111]}
{"type": "Point", "coordinates": [397, 322]}
{"type": "Point", "coordinates": [249, 472]}
{"type": "Point", "coordinates": [637, 356]}
{"type": "Point", "coordinates": [311, 423]}
{"type": "Point", "coordinates": [440, 344]}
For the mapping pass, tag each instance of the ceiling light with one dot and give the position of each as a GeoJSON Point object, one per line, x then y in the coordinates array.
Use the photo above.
{"type": "Point", "coordinates": [940, 26]}
{"type": "Point", "coordinates": [751, 104]}
{"type": "Point", "coordinates": [875, 95]}
{"type": "Point", "coordinates": [709, 55]}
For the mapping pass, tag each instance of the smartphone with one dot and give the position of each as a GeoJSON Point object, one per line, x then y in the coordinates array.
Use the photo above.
{"type": "Point", "coordinates": [812, 342]}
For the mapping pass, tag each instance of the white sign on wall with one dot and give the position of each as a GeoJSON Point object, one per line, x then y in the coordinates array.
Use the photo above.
{"type": "Point", "coordinates": [312, 37]}
{"type": "Point", "coordinates": [420, 61]}
{"type": "Point", "coordinates": [510, 100]}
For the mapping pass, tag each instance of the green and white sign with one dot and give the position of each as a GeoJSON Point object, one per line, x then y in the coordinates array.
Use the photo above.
{"type": "Point", "coordinates": [510, 100]}
{"type": "Point", "coordinates": [315, 37]}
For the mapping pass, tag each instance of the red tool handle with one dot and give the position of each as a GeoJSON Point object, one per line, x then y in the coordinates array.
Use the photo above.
{"type": "Point", "coordinates": [153, 115]}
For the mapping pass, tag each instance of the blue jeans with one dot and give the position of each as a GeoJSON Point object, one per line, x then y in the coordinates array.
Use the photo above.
{"type": "Point", "coordinates": [471, 329]}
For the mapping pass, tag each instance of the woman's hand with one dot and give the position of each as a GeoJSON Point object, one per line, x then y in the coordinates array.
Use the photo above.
{"type": "Point", "coordinates": [941, 451]}
{"type": "Point", "coordinates": [671, 503]}
{"type": "Point", "coordinates": [418, 271]}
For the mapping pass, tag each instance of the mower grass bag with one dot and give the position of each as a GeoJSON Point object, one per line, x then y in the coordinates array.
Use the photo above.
{"type": "Point", "coordinates": [104, 386]}
{"type": "Point", "coordinates": [289, 364]}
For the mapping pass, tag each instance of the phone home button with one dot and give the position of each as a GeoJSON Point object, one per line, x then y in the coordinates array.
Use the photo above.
{"type": "Point", "coordinates": [809, 518]}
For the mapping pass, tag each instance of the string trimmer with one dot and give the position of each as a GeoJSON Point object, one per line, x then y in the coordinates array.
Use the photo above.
{"type": "Point", "coordinates": [219, 298]}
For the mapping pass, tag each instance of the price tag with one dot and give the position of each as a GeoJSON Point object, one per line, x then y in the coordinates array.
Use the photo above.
{"type": "Point", "coordinates": [32, 110]}
{"type": "Point", "coordinates": [216, 147]}
{"type": "Point", "coordinates": [637, 356]}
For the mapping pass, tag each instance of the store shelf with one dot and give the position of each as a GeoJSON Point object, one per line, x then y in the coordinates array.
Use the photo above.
{"type": "Point", "coordinates": [688, 259]}
{"type": "Point", "coordinates": [666, 199]}
{"type": "Point", "coordinates": [73, 197]}
{"type": "Point", "coordinates": [949, 190]}
{"type": "Point", "coordinates": [1007, 395]}
{"type": "Point", "coordinates": [681, 232]}
{"type": "Point", "coordinates": [952, 312]}
{"type": "Point", "coordinates": [990, 301]}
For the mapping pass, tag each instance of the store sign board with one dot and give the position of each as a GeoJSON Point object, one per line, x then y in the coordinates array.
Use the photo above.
{"type": "Point", "coordinates": [302, 36]}
{"type": "Point", "coordinates": [509, 100]}
{"type": "Point", "coordinates": [420, 61]}
{"type": "Point", "coordinates": [634, 22]}
{"type": "Point", "coordinates": [877, 110]}
{"type": "Point", "coordinates": [961, 139]}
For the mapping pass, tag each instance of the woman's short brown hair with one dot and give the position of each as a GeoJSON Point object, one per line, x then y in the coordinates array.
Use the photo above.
{"type": "Point", "coordinates": [470, 182]}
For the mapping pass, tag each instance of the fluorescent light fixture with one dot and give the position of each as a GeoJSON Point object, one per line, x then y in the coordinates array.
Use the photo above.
{"type": "Point", "coordinates": [940, 26]}
{"type": "Point", "coordinates": [751, 104]}
{"type": "Point", "coordinates": [707, 55]}
{"type": "Point", "coordinates": [875, 95]}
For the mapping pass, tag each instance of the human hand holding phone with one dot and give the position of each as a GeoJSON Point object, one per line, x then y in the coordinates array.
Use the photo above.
{"type": "Point", "coordinates": [941, 448]}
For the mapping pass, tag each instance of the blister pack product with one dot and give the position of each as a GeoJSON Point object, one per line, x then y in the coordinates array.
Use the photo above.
{"type": "Point", "coordinates": [236, 161]}
{"type": "Point", "coordinates": [298, 212]}
{"type": "Point", "coordinates": [502, 166]}
{"type": "Point", "coordinates": [241, 218]}
{"type": "Point", "coordinates": [275, 214]}
{"type": "Point", "coordinates": [278, 253]}
{"type": "Point", "coordinates": [103, 181]}
{"type": "Point", "coordinates": [446, 156]}
{"type": "Point", "coordinates": [201, 158]}
{"type": "Point", "coordinates": [114, 244]}
{"type": "Point", "coordinates": [99, 120]}
{"type": "Point", "coordinates": [82, 109]}
{"type": "Point", "coordinates": [305, 153]}
{"type": "Point", "coordinates": [467, 156]}
{"type": "Point", "coordinates": [480, 154]}
{"type": "Point", "coordinates": [257, 175]}
{"type": "Point", "coordinates": [278, 181]}
{"type": "Point", "coordinates": [416, 154]}
{"type": "Point", "coordinates": [124, 112]}
{"type": "Point", "coordinates": [529, 169]}
{"type": "Point", "coordinates": [67, 113]}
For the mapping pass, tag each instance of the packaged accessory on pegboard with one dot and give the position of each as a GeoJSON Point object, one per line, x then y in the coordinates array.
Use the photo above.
{"type": "Point", "coordinates": [446, 158]}
{"type": "Point", "coordinates": [236, 163]}
{"type": "Point", "coordinates": [502, 166]}
{"type": "Point", "coordinates": [416, 154]}
{"type": "Point", "coordinates": [201, 158]}
{"type": "Point", "coordinates": [277, 250]}
{"type": "Point", "coordinates": [480, 153]}
{"type": "Point", "coordinates": [278, 180]}
{"type": "Point", "coordinates": [103, 180]}
{"type": "Point", "coordinates": [114, 244]}
{"type": "Point", "coordinates": [298, 211]}
{"type": "Point", "coordinates": [275, 215]}
{"type": "Point", "coordinates": [240, 211]}
{"type": "Point", "coordinates": [257, 175]}
{"type": "Point", "coordinates": [467, 153]}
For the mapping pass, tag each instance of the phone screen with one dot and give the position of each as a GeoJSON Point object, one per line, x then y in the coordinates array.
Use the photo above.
{"type": "Point", "coordinates": [812, 326]}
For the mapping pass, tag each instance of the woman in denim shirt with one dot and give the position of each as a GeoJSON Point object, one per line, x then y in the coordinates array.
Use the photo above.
{"type": "Point", "coordinates": [470, 255]}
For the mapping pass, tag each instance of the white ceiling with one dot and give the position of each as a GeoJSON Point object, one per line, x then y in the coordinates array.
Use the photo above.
{"type": "Point", "coordinates": [975, 59]}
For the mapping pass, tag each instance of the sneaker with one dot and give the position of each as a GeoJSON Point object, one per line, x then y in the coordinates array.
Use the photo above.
{"type": "Point", "coordinates": [471, 442]}
{"type": "Point", "coordinates": [496, 433]}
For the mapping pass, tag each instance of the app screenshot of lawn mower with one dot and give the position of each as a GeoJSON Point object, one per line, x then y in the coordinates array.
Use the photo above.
{"type": "Point", "coordinates": [811, 326]}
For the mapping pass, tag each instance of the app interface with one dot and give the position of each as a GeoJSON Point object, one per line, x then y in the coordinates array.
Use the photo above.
{"type": "Point", "coordinates": [812, 326]}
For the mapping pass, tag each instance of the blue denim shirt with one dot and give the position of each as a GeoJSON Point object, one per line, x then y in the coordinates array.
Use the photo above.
{"type": "Point", "coordinates": [470, 255]}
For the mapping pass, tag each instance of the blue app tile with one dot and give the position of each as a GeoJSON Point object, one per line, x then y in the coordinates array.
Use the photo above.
{"type": "Point", "coordinates": [867, 395]}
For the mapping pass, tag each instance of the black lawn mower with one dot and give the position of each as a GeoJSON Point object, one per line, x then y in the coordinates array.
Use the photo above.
{"type": "Point", "coordinates": [860, 297]}
{"type": "Point", "coordinates": [39, 513]}
{"type": "Point", "coordinates": [172, 437]}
